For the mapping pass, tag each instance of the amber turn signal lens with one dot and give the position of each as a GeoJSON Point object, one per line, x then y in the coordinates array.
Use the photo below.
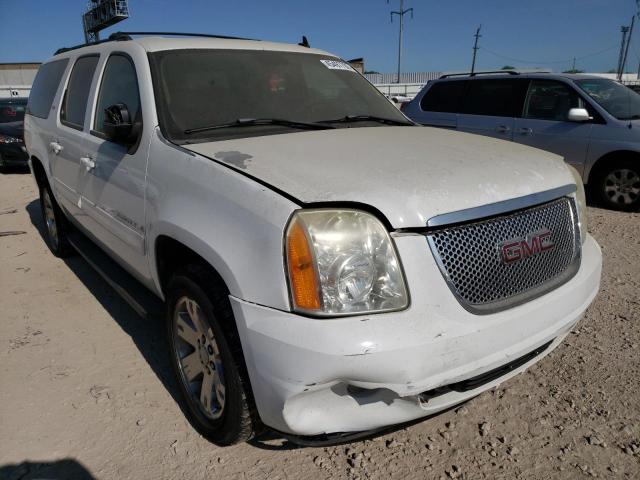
{"type": "Point", "coordinates": [302, 274]}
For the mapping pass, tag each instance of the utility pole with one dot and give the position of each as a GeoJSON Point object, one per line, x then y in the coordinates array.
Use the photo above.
{"type": "Point", "coordinates": [573, 69]}
{"type": "Point", "coordinates": [475, 49]}
{"type": "Point", "coordinates": [401, 13]}
{"type": "Point", "coordinates": [623, 41]}
{"type": "Point", "coordinates": [626, 48]}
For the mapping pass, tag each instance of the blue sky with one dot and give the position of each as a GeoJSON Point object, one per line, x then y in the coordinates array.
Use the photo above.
{"type": "Point", "coordinates": [545, 33]}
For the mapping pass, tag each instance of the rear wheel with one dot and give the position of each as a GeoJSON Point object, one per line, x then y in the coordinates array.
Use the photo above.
{"type": "Point", "coordinates": [206, 361]}
{"type": "Point", "coordinates": [618, 185]}
{"type": "Point", "coordinates": [56, 225]}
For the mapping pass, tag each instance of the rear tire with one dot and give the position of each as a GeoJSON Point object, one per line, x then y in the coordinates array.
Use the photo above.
{"type": "Point", "coordinates": [56, 225]}
{"type": "Point", "coordinates": [617, 185]}
{"type": "Point", "coordinates": [206, 358]}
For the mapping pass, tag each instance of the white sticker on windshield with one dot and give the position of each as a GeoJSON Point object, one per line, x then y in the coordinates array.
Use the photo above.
{"type": "Point", "coordinates": [337, 65]}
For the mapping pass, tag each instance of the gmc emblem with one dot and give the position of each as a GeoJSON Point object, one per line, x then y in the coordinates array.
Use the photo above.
{"type": "Point", "coordinates": [517, 249]}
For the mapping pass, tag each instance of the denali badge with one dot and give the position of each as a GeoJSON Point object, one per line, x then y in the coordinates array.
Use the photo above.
{"type": "Point", "coordinates": [517, 249]}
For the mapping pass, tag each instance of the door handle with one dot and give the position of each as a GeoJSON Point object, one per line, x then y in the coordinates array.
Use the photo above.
{"type": "Point", "coordinates": [88, 162]}
{"type": "Point", "coordinates": [502, 129]}
{"type": "Point", "coordinates": [56, 147]}
{"type": "Point", "coordinates": [525, 131]}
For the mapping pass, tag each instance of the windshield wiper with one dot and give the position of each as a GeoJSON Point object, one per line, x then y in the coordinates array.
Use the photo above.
{"type": "Point", "coordinates": [247, 122]}
{"type": "Point", "coordinates": [368, 118]}
{"type": "Point", "coordinates": [632, 117]}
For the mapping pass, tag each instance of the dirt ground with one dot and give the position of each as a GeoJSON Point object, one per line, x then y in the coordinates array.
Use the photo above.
{"type": "Point", "coordinates": [86, 390]}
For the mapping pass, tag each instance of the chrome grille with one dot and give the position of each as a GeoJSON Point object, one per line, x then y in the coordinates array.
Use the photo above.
{"type": "Point", "coordinates": [470, 257]}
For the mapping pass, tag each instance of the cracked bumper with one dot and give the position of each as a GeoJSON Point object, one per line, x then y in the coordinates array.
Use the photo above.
{"type": "Point", "coordinates": [313, 376]}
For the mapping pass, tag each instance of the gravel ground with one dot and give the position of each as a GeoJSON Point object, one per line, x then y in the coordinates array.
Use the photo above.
{"type": "Point", "coordinates": [86, 390]}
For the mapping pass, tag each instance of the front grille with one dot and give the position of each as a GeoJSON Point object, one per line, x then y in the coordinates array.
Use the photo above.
{"type": "Point", "coordinates": [470, 256]}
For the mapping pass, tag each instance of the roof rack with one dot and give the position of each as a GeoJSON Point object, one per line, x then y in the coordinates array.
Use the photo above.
{"type": "Point", "coordinates": [493, 72]}
{"type": "Point", "coordinates": [124, 36]}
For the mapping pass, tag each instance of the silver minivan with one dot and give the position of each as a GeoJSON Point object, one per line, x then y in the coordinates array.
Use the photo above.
{"type": "Point", "coordinates": [593, 122]}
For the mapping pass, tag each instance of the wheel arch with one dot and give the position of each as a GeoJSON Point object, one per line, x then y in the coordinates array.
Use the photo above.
{"type": "Point", "coordinates": [39, 172]}
{"type": "Point", "coordinates": [177, 248]}
{"type": "Point", "coordinates": [601, 163]}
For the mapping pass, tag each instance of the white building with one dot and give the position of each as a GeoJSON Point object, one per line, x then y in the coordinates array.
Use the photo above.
{"type": "Point", "coordinates": [16, 79]}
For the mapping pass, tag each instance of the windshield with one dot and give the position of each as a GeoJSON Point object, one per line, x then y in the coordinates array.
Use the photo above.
{"type": "Point", "coordinates": [12, 111]}
{"type": "Point", "coordinates": [204, 88]}
{"type": "Point", "coordinates": [620, 101]}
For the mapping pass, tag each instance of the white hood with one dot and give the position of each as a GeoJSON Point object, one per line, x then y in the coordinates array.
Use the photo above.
{"type": "Point", "coordinates": [410, 174]}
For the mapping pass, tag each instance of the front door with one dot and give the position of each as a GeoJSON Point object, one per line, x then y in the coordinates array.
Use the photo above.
{"type": "Point", "coordinates": [545, 125]}
{"type": "Point", "coordinates": [114, 190]}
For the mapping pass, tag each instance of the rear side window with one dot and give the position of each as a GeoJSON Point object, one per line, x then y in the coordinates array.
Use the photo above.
{"type": "Point", "coordinates": [444, 97]}
{"type": "Point", "coordinates": [119, 85]}
{"type": "Point", "coordinates": [44, 87]}
{"type": "Point", "coordinates": [74, 104]}
{"type": "Point", "coordinates": [497, 98]}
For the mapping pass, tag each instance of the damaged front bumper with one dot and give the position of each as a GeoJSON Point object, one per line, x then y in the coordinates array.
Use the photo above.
{"type": "Point", "coordinates": [316, 376]}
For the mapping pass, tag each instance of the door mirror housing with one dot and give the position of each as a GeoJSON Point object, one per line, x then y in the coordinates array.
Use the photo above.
{"type": "Point", "coordinates": [579, 115]}
{"type": "Point", "coordinates": [401, 99]}
{"type": "Point", "coordinates": [118, 124]}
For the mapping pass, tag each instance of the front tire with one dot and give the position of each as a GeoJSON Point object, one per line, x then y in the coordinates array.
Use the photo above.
{"type": "Point", "coordinates": [56, 225]}
{"type": "Point", "coordinates": [617, 186]}
{"type": "Point", "coordinates": [212, 378]}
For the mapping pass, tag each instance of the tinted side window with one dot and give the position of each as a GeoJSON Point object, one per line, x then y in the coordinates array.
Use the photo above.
{"type": "Point", "coordinates": [44, 87]}
{"type": "Point", "coordinates": [498, 98]}
{"type": "Point", "coordinates": [119, 85]}
{"type": "Point", "coordinates": [74, 104]}
{"type": "Point", "coordinates": [444, 97]}
{"type": "Point", "coordinates": [549, 100]}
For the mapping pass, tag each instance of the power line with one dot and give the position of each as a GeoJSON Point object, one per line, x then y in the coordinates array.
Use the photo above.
{"type": "Point", "coordinates": [569, 60]}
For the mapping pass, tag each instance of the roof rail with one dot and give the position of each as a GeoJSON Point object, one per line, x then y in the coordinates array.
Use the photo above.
{"type": "Point", "coordinates": [124, 36]}
{"type": "Point", "coordinates": [492, 72]}
{"type": "Point", "coordinates": [75, 47]}
{"type": "Point", "coordinates": [174, 34]}
{"type": "Point", "coordinates": [488, 72]}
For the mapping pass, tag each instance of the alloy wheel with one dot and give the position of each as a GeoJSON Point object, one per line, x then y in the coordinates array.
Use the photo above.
{"type": "Point", "coordinates": [622, 186]}
{"type": "Point", "coordinates": [198, 358]}
{"type": "Point", "coordinates": [50, 219]}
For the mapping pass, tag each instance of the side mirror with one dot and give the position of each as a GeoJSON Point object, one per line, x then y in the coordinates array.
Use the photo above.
{"type": "Point", "coordinates": [579, 115]}
{"type": "Point", "coordinates": [400, 99]}
{"type": "Point", "coordinates": [118, 124]}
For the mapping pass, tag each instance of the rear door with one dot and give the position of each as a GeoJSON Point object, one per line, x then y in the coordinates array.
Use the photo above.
{"type": "Point", "coordinates": [439, 105]}
{"type": "Point", "coordinates": [114, 189]}
{"type": "Point", "coordinates": [544, 123]}
{"type": "Point", "coordinates": [67, 146]}
{"type": "Point", "coordinates": [491, 105]}
{"type": "Point", "coordinates": [40, 120]}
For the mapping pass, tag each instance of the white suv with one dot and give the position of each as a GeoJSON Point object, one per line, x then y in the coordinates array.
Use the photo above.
{"type": "Point", "coordinates": [327, 266]}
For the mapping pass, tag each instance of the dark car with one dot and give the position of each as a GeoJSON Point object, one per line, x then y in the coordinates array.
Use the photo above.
{"type": "Point", "coordinates": [12, 151]}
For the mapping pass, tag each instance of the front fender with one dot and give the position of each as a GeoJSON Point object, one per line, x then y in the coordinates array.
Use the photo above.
{"type": "Point", "coordinates": [231, 221]}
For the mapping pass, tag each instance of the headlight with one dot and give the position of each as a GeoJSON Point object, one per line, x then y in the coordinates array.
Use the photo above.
{"type": "Point", "coordinates": [581, 202]}
{"type": "Point", "coordinates": [8, 139]}
{"type": "Point", "coordinates": [342, 262]}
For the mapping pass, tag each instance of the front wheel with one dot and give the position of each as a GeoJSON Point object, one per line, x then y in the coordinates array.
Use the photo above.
{"type": "Point", "coordinates": [618, 186]}
{"type": "Point", "coordinates": [212, 379]}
